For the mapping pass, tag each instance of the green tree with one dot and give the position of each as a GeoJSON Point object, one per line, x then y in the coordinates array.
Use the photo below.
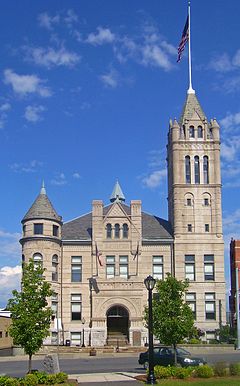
{"type": "Point", "coordinates": [172, 317]}
{"type": "Point", "coordinates": [30, 315]}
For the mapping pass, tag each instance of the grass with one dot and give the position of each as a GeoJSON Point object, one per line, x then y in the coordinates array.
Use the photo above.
{"type": "Point", "coordinates": [233, 381]}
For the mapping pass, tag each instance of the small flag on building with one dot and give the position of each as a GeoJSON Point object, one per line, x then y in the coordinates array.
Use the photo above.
{"type": "Point", "coordinates": [184, 40]}
{"type": "Point", "coordinates": [98, 254]}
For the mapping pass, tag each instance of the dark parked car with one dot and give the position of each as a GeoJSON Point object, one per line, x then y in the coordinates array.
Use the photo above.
{"type": "Point", "coordinates": [164, 356]}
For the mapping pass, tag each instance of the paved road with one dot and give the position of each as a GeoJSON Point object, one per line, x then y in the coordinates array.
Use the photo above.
{"type": "Point", "coordinates": [99, 364]}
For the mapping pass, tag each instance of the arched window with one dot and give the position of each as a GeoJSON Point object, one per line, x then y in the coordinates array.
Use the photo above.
{"type": "Point", "coordinates": [37, 259]}
{"type": "Point", "coordinates": [188, 169]}
{"type": "Point", "coordinates": [125, 231]}
{"type": "Point", "coordinates": [200, 132]}
{"type": "Point", "coordinates": [109, 231]}
{"type": "Point", "coordinates": [205, 170]}
{"type": "Point", "coordinates": [191, 132]}
{"type": "Point", "coordinates": [196, 169]}
{"type": "Point", "coordinates": [55, 268]}
{"type": "Point", "coordinates": [117, 231]}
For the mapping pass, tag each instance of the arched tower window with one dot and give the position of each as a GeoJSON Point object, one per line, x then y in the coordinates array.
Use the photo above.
{"type": "Point", "coordinates": [125, 231]}
{"type": "Point", "coordinates": [109, 231]}
{"type": "Point", "coordinates": [117, 231]}
{"type": "Point", "coordinates": [191, 132]}
{"type": "Point", "coordinates": [55, 268]}
{"type": "Point", "coordinates": [188, 169]}
{"type": "Point", "coordinates": [196, 169]}
{"type": "Point", "coordinates": [37, 259]}
{"type": "Point", "coordinates": [200, 132]}
{"type": "Point", "coordinates": [205, 170]}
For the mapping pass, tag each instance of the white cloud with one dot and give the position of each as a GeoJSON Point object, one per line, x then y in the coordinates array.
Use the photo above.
{"type": "Point", "coordinates": [49, 57]}
{"type": "Point", "coordinates": [33, 113]}
{"type": "Point", "coordinates": [111, 79]}
{"type": "Point", "coordinates": [221, 63]}
{"type": "Point", "coordinates": [71, 17]}
{"type": "Point", "coordinates": [76, 175]}
{"type": "Point", "coordinates": [26, 84]}
{"type": "Point", "coordinates": [47, 21]}
{"type": "Point", "coordinates": [231, 121]}
{"type": "Point", "coordinates": [155, 178]}
{"type": "Point", "coordinates": [9, 245]}
{"type": "Point", "coordinates": [155, 56]}
{"type": "Point", "coordinates": [30, 167]}
{"type": "Point", "coordinates": [5, 107]}
{"type": "Point", "coordinates": [103, 36]}
{"type": "Point", "coordinates": [59, 180]}
{"type": "Point", "coordinates": [10, 278]}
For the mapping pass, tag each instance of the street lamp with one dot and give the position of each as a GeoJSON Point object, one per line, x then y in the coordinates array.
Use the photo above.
{"type": "Point", "coordinates": [237, 310]}
{"type": "Point", "coordinates": [149, 284]}
{"type": "Point", "coordinates": [83, 322]}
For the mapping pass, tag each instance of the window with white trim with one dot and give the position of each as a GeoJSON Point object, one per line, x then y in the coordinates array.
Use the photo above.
{"type": "Point", "coordinates": [210, 306]}
{"type": "Point", "coordinates": [208, 267]}
{"type": "Point", "coordinates": [55, 268]}
{"type": "Point", "coordinates": [76, 306]}
{"type": "Point", "coordinates": [123, 266]}
{"type": "Point", "coordinates": [157, 262]}
{"type": "Point", "coordinates": [37, 260]}
{"type": "Point", "coordinates": [110, 266]}
{"type": "Point", "coordinates": [76, 269]}
{"type": "Point", "coordinates": [190, 267]}
{"type": "Point", "coordinates": [191, 301]}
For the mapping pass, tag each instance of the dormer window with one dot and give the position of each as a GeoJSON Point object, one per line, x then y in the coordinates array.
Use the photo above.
{"type": "Point", "coordinates": [109, 231]}
{"type": "Point", "coordinates": [191, 132]}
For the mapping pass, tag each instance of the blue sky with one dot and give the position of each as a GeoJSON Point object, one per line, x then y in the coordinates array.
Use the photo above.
{"type": "Point", "coordinates": [87, 91]}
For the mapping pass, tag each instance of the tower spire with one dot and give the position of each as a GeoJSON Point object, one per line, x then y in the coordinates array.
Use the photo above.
{"type": "Point", "coordinates": [43, 190]}
{"type": "Point", "coordinates": [190, 89]}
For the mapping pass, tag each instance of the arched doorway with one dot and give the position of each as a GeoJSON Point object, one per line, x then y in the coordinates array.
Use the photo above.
{"type": "Point", "coordinates": [117, 326]}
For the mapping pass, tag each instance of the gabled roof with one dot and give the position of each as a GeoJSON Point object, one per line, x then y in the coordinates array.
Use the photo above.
{"type": "Point", "coordinates": [191, 106]}
{"type": "Point", "coordinates": [42, 208]}
{"type": "Point", "coordinates": [153, 228]}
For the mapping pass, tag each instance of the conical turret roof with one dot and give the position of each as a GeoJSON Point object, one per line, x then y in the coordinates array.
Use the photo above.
{"type": "Point", "coordinates": [191, 106]}
{"type": "Point", "coordinates": [42, 208]}
{"type": "Point", "coordinates": [117, 194]}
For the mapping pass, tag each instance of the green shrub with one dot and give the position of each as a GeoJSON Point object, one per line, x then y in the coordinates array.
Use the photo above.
{"type": "Point", "coordinates": [162, 372]}
{"type": "Point", "coordinates": [41, 377]}
{"type": "Point", "coordinates": [234, 368]}
{"type": "Point", "coordinates": [30, 380]}
{"type": "Point", "coordinates": [182, 373]}
{"type": "Point", "coordinates": [3, 379]}
{"type": "Point", "coordinates": [61, 377]}
{"type": "Point", "coordinates": [194, 341]}
{"type": "Point", "coordinates": [11, 382]}
{"type": "Point", "coordinates": [204, 371]}
{"type": "Point", "coordinates": [221, 369]}
{"type": "Point", "coordinates": [51, 379]}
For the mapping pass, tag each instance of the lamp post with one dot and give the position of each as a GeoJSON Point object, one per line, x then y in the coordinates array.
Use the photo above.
{"type": "Point", "coordinates": [149, 284]}
{"type": "Point", "coordinates": [83, 322]}
{"type": "Point", "coordinates": [237, 310]}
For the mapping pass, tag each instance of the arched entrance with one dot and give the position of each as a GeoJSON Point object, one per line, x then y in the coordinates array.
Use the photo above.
{"type": "Point", "coordinates": [117, 326]}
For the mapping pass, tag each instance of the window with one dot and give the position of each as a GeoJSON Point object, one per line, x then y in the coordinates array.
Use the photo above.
{"type": "Point", "coordinates": [6, 334]}
{"type": "Point", "coordinates": [76, 269]}
{"type": "Point", "coordinates": [110, 266]}
{"type": "Point", "coordinates": [117, 231]}
{"type": "Point", "coordinates": [191, 301]}
{"type": "Point", "coordinates": [55, 268]}
{"type": "Point", "coordinates": [188, 169]}
{"type": "Point", "coordinates": [210, 307]}
{"type": "Point", "coordinates": [206, 201]}
{"type": "Point", "coordinates": [189, 227]}
{"type": "Point", "coordinates": [54, 305]}
{"type": "Point", "coordinates": [158, 267]}
{"type": "Point", "coordinates": [125, 231]}
{"type": "Point", "coordinates": [37, 259]}
{"type": "Point", "coordinates": [38, 229]}
{"type": "Point", "coordinates": [54, 337]}
{"type": "Point", "coordinates": [75, 338]}
{"type": "Point", "coordinates": [76, 306]}
{"type": "Point", "coordinates": [123, 266]}
{"type": "Point", "coordinates": [206, 227]}
{"type": "Point", "coordinates": [208, 267]}
{"type": "Point", "coordinates": [196, 170]}
{"type": "Point", "coordinates": [205, 170]}
{"type": "Point", "coordinates": [189, 202]}
{"type": "Point", "coordinates": [1, 334]}
{"type": "Point", "coordinates": [23, 260]}
{"type": "Point", "coordinates": [109, 231]}
{"type": "Point", "coordinates": [191, 132]}
{"type": "Point", "coordinates": [24, 230]}
{"type": "Point", "coordinates": [200, 132]}
{"type": "Point", "coordinates": [55, 230]}
{"type": "Point", "coordinates": [190, 267]}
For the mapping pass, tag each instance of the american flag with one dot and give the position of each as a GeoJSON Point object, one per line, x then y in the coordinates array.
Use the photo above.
{"type": "Point", "coordinates": [98, 254]}
{"type": "Point", "coordinates": [184, 40]}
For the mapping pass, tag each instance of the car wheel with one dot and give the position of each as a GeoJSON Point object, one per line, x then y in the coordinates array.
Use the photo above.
{"type": "Point", "coordinates": [145, 365]}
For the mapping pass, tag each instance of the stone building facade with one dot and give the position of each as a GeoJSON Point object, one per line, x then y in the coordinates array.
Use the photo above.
{"type": "Point", "coordinates": [97, 262]}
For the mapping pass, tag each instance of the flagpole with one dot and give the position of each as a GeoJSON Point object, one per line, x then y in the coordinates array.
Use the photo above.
{"type": "Point", "coordinates": [190, 89]}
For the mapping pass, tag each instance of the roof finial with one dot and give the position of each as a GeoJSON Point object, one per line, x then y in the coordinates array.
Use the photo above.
{"type": "Point", "coordinates": [43, 190]}
{"type": "Point", "coordinates": [117, 194]}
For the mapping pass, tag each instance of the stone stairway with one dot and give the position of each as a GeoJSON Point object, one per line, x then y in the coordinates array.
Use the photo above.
{"type": "Point", "coordinates": [117, 338]}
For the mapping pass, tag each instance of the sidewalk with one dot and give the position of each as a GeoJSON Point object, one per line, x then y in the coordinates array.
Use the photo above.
{"type": "Point", "coordinates": [98, 379]}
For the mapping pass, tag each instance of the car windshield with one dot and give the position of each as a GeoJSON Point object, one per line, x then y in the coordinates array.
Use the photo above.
{"type": "Point", "coordinates": [181, 351]}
